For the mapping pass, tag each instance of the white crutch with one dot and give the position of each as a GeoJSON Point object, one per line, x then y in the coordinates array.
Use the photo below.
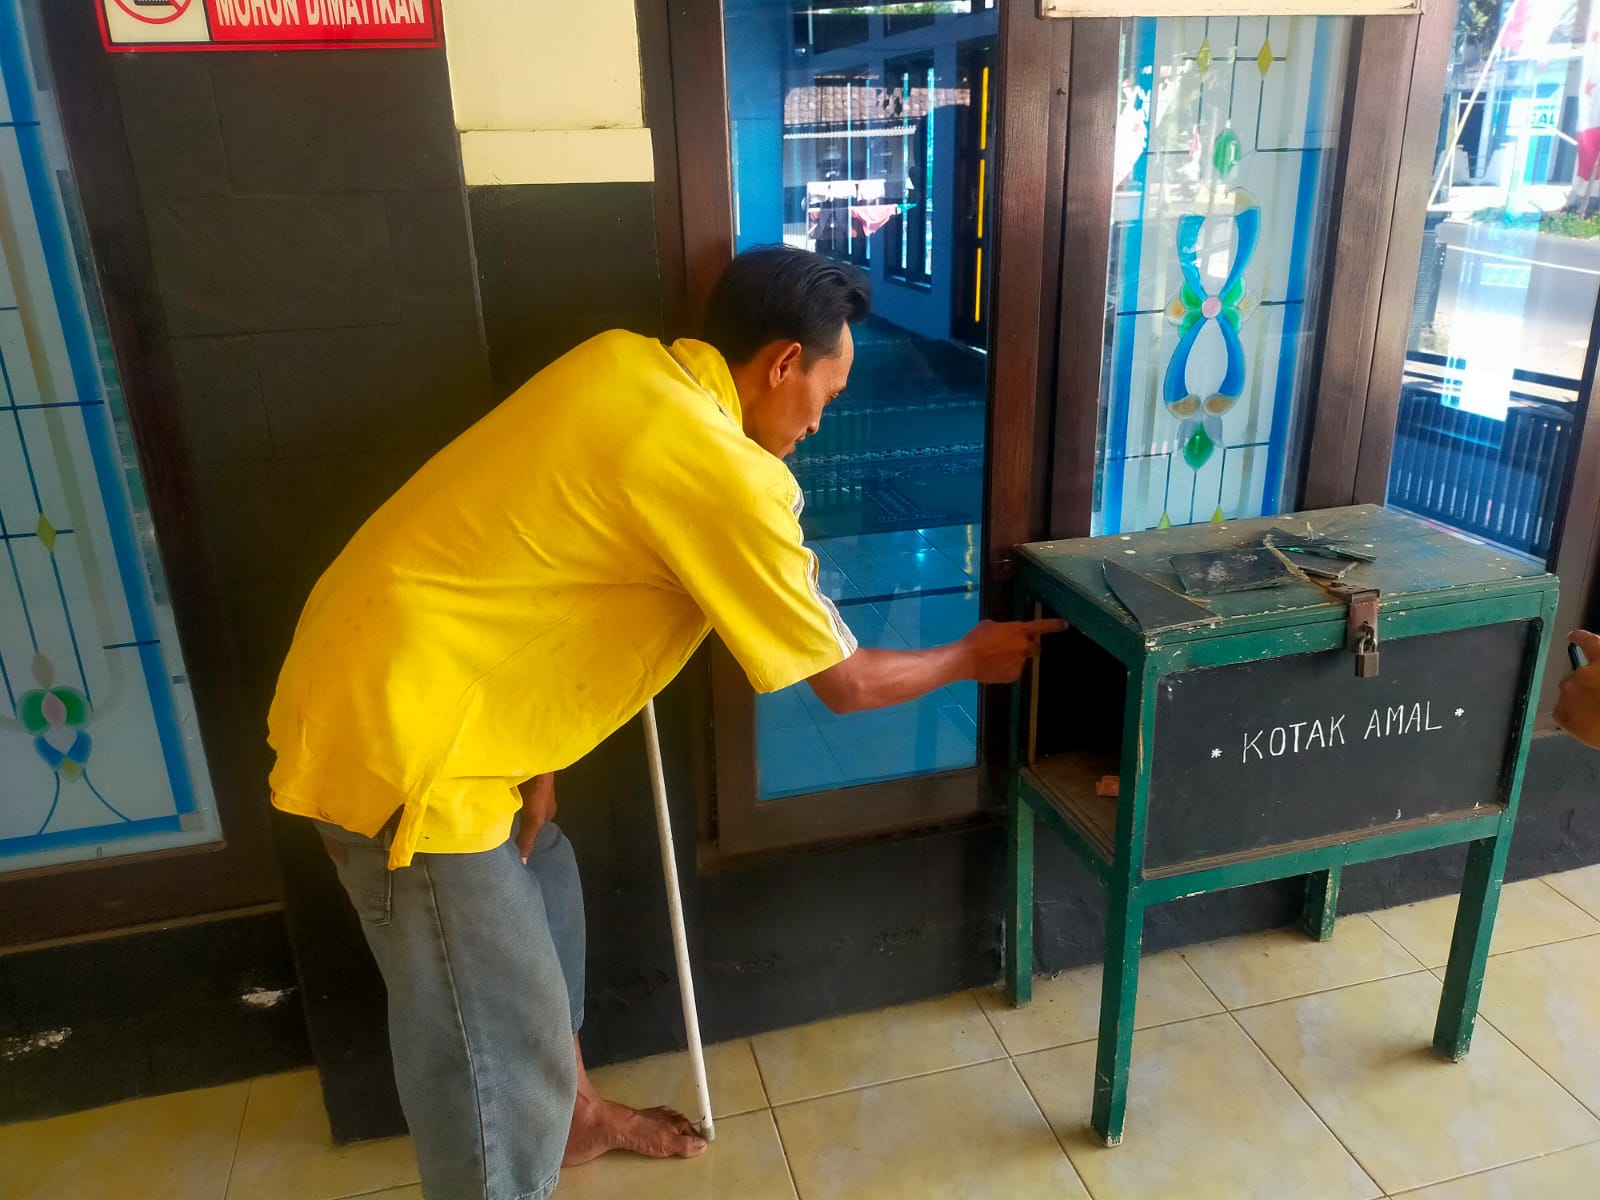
{"type": "Point", "coordinates": [680, 939]}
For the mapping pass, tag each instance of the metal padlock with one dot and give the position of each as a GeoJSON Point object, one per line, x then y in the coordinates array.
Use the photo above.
{"type": "Point", "coordinates": [1367, 654]}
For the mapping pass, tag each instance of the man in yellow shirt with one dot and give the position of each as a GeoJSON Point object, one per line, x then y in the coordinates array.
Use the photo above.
{"type": "Point", "coordinates": [519, 599]}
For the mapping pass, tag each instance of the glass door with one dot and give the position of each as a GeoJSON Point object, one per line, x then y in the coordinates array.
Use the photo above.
{"type": "Point", "coordinates": [864, 133]}
{"type": "Point", "coordinates": [1505, 302]}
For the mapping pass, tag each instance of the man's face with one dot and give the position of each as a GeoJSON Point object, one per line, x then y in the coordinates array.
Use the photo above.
{"type": "Point", "coordinates": [792, 409]}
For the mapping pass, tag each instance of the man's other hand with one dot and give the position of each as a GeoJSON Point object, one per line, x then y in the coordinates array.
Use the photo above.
{"type": "Point", "coordinates": [998, 649]}
{"type": "Point", "coordinates": [1578, 711]}
{"type": "Point", "coordinates": [538, 806]}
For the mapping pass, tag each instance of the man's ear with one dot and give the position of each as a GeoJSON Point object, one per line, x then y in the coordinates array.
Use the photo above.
{"type": "Point", "coordinates": [786, 359]}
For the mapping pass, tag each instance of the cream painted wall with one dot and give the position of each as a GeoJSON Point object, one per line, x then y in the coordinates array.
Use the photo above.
{"type": "Point", "coordinates": [547, 91]}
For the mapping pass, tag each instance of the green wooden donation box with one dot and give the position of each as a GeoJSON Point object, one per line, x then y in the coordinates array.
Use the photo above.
{"type": "Point", "coordinates": [1264, 699]}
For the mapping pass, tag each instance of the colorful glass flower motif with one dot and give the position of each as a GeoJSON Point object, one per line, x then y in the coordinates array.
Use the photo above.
{"type": "Point", "coordinates": [1226, 152]}
{"type": "Point", "coordinates": [1200, 412]}
{"type": "Point", "coordinates": [56, 718]}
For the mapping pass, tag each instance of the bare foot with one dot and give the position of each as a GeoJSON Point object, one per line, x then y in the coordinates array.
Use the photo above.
{"type": "Point", "coordinates": [600, 1126]}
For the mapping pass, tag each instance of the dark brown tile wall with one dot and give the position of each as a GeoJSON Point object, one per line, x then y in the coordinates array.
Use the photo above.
{"type": "Point", "coordinates": [311, 245]}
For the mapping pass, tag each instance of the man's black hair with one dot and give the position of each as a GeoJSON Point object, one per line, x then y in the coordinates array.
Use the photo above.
{"type": "Point", "coordinates": [782, 293]}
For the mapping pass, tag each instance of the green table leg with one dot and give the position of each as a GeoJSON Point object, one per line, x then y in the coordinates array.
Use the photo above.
{"type": "Point", "coordinates": [1469, 948]}
{"type": "Point", "coordinates": [1119, 993]}
{"type": "Point", "coordinates": [1322, 903]}
{"type": "Point", "coordinates": [1019, 922]}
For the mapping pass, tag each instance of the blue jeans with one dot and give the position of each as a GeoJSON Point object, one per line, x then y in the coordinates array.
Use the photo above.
{"type": "Point", "coordinates": [483, 959]}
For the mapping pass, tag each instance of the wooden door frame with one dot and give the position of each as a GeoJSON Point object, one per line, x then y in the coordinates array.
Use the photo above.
{"type": "Point", "coordinates": [686, 107]}
{"type": "Point", "coordinates": [97, 895]}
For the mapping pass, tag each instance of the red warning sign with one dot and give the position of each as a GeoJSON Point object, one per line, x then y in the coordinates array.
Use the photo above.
{"type": "Point", "coordinates": [127, 25]}
{"type": "Point", "coordinates": [159, 12]}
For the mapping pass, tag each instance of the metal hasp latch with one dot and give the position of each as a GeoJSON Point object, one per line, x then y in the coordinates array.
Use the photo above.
{"type": "Point", "coordinates": [1361, 627]}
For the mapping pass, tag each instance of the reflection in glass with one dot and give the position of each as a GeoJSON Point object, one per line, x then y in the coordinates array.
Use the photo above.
{"type": "Point", "coordinates": [1227, 133]}
{"type": "Point", "coordinates": [865, 133]}
{"type": "Point", "coordinates": [1506, 291]}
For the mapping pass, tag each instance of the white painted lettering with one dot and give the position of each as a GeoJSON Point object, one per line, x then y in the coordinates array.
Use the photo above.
{"type": "Point", "coordinates": [1317, 737]}
{"type": "Point", "coordinates": [258, 13]}
{"type": "Point", "coordinates": [416, 12]}
{"type": "Point", "coordinates": [1297, 727]}
{"type": "Point", "coordinates": [1252, 742]}
{"type": "Point", "coordinates": [229, 12]}
{"type": "Point", "coordinates": [1278, 742]}
{"type": "Point", "coordinates": [383, 10]}
{"type": "Point", "coordinates": [313, 12]}
{"type": "Point", "coordinates": [1337, 728]}
{"type": "Point", "coordinates": [291, 11]}
{"type": "Point", "coordinates": [1374, 726]}
{"type": "Point", "coordinates": [1394, 721]}
{"type": "Point", "coordinates": [1414, 720]}
{"type": "Point", "coordinates": [1428, 720]}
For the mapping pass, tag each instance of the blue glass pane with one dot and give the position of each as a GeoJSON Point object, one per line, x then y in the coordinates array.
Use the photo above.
{"type": "Point", "coordinates": [866, 134]}
{"type": "Point", "coordinates": [1507, 287]}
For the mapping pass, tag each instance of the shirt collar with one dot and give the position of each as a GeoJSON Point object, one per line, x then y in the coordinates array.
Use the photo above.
{"type": "Point", "coordinates": [709, 369]}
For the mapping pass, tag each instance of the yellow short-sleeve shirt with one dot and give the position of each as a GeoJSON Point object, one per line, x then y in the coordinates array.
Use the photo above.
{"type": "Point", "coordinates": [533, 585]}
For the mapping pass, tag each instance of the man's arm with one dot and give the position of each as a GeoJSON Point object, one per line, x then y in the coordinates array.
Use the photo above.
{"type": "Point", "coordinates": [994, 652]}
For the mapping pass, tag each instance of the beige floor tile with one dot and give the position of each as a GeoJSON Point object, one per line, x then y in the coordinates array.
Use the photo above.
{"type": "Point", "coordinates": [668, 1079]}
{"type": "Point", "coordinates": [1547, 1002]}
{"type": "Point", "coordinates": [285, 1149]}
{"type": "Point", "coordinates": [1582, 887]}
{"type": "Point", "coordinates": [411, 1192]}
{"type": "Point", "coordinates": [1280, 963]}
{"type": "Point", "coordinates": [1209, 1118]}
{"type": "Point", "coordinates": [1066, 1009]}
{"type": "Point", "coordinates": [1362, 1057]}
{"type": "Point", "coordinates": [971, 1134]}
{"type": "Point", "coordinates": [1569, 1175]}
{"type": "Point", "coordinates": [175, 1147]}
{"type": "Point", "coordinates": [1530, 914]}
{"type": "Point", "coordinates": [858, 1051]}
{"type": "Point", "coordinates": [746, 1161]}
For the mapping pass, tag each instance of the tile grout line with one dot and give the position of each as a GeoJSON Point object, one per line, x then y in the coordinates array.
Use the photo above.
{"type": "Point", "coordinates": [772, 1115]}
{"type": "Point", "coordinates": [1539, 1067]}
{"type": "Point", "coordinates": [1581, 907]}
{"type": "Point", "coordinates": [783, 1148]}
{"type": "Point", "coordinates": [993, 1028]}
{"type": "Point", "coordinates": [761, 1077]}
{"type": "Point", "coordinates": [1404, 949]}
{"type": "Point", "coordinates": [1310, 1107]}
{"type": "Point", "coordinates": [1564, 941]}
{"type": "Point", "coordinates": [1048, 1124]}
{"type": "Point", "coordinates": [233, 1159]}
{"type": "Point", "coordinates": [864, 1087]}
{"type": "Point", "coordinates": [1338, 987]}
{"type": "Point", "coordinates": [1210, 991]}
{"type": "Point", "coordinates": [1489, 1170]}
